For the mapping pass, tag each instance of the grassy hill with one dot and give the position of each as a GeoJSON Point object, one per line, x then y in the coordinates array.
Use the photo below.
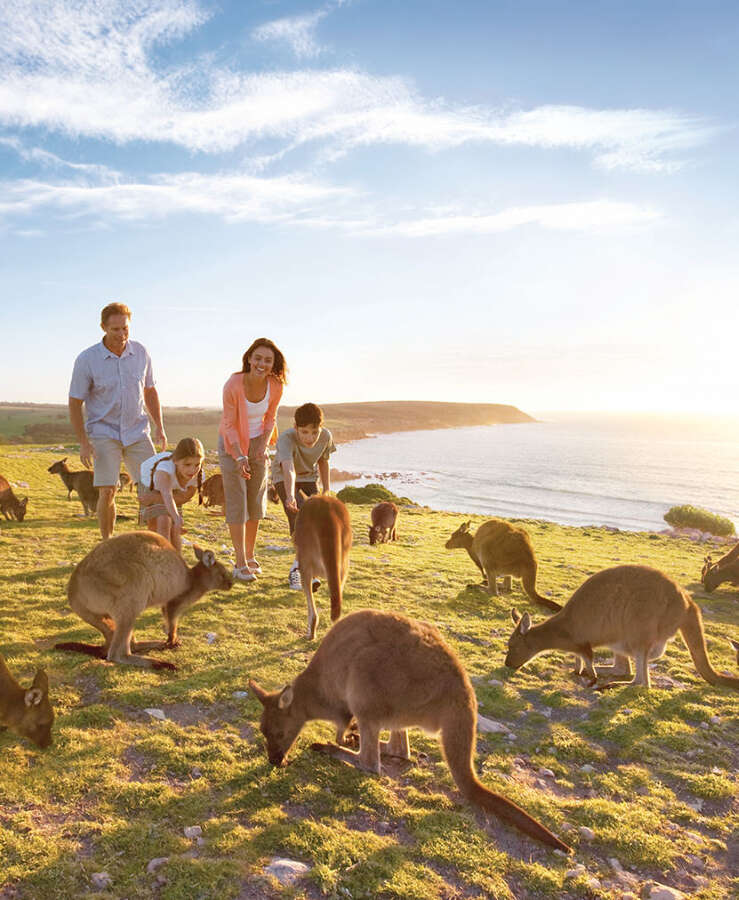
{"type": "Point", "coordinates": [653, 774]}
{"type": "Point", "coordinates": [49, 423]}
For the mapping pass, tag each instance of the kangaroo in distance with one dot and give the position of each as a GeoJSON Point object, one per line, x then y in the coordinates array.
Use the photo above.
{"type": "Point", "coordinates": [384, 516]}
{"type": "Point", "coordinates": [80, 481]}
{"type": "Point", "coordinates": [26, 711]}
{"type": "Point", "coordinates": [390, 672]}
{"type": "Point", "coordinates": [726, 569]}
{"type": "Point", "coordinates": [634, 610]}
{"type": "Point", "coordinates": [498, 547]}
{"type": "Point", "coordinates": [322, 538]}
{"type": "Point", "coordinates": [121, 577]}
{"type": "Point", "coordinates": [10, 506]}
{"type": "Point", "coordinates": [212, 491]}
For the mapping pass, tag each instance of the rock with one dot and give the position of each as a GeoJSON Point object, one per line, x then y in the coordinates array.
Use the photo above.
{"type": "Point", "coordinates": [694, 836]}
{"type": "Point", "coordinates": [495, 683]}
{"type": "Point", "coordinates": [210, 636]}
{"type": "Point", "coordinates": [240, 695]}
{"type": "Point", "coordinates": [155, 863]}
{"type": "Point", "coordinates": [286, 871]}
{"type": "Point", "coordinates": [653, 890]}
{"type": "Point", "coordinates": [193, 831]}
{"type": "Point", "coordinates": [490, 726]}
{"type": "Point", "coordinates": [615, 864]}
{"type": "Point", "coordinates": [510, 736]}
{"type": "Point", "coordinates": [156, 713]}
{"type": "Point", "coordinates": [696, 804]}
{"type": "Point", "coordinates": [195, 772]}
{"type": "Point", "coordinates": [705, 725]}
{"type": "Point", "coordinates": [715, 720]}
{"type": "Point", "coordinates": [546, 773]}
{"type": "Point", "coordinates": [695, 862]}
{"type": "Point", "coordinates": [566, 827]}
{"type": "Point", "coordinates": [101, 880]}
{"type": "Point", "coordinates": [587, 834]}
{"type": "Point", "coordinates": [575, 872]}
{"type": "Point", "coordinates": [587, 768]}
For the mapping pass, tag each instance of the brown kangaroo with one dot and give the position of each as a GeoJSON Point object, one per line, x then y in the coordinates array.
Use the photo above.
{"type": "Point", "coordinates": [498, 547]}
{"type": "Point", "coordinates": [634, 610]}
{"type": "Point", "coordinates": [26, 711]}
{"type": "Point", "coordinates": [121, 577]}
{"type": "Point", "coordinates": [726, 569]}
{"type": "Point", "coordinates": [125, 481]}
{"type": "Point", "coordinates": [80, 481]}
{"type": "Point", "coordinates": [322, 538]}
{"type": "Point", "coordinates": [384, 517]}
{"type": "Point", "coordinates": [735, 645]}
{"type": "Point", "coordinates": [390, 672]}
{"type": "Point", "coordinates": [10, 506]}
{"type": "Point", "coordinates": [212, 491]}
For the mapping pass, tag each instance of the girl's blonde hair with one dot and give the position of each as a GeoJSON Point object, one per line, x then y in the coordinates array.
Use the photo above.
{"type": "Point", "coordinates": [187, 447]}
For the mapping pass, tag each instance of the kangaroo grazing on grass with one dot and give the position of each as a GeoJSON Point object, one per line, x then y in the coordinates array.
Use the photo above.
{"type": "Point", "coordinates": [212, 491]}
{"type": "Point", "coordinates": [10, 506]}
{"type": "Point", "coordinates": [322, 538]}
{"type": "Point", "coordinates": [80, 481]}
{"type": "Point", "coordinates": [123, 576]}
{"type": "Point", "coordinates": [498, 547]}
{"type": "Point", "coordinates": [26, 711]}
{"type": "Point", "coordinates": [726, 569]}
{"type": "Point", "coordinates": [389, 672]}
{"type": "Point", "coordinates": [384, 517]}
{"type": "Point", "coordinates": [634, 610]}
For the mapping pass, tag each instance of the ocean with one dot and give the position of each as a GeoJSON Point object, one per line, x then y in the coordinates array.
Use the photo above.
{"type": "Point", "coordinates": [574, 469]}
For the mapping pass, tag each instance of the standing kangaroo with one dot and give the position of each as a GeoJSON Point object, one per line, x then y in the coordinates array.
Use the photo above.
{"type": "Point", "coordinates": [121, 577]}
{"type": "Point", "coordinates": [634, 610]}
{"type": "Point", "coordinates": [323, 538]}
{"type": "Point", "coordinates": [390, 672]}
{"type": "Point", "coordinates": [498, 547]}
{"type": "Point", "coordinates": [26, 710]}
{"type": "Point", "coordinates": [80, 481]}
{"type": "Point", "coordinates": [384, 517]}
{"type": "Point", "coordinates": [10, 506]}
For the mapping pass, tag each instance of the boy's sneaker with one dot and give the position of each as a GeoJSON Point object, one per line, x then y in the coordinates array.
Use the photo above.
{"type": "Point", "coordinates": [243, 574]}
{"type": "Point", "coordinates": [254, 566]}
{"type": "Point", "coordinates": [294, 581]}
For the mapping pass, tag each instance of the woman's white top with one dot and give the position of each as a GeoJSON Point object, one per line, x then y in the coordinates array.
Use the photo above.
{"type": "Point", "coordinates": [256, 412]}
{"type": "Point", "coordinates": [166, 465]}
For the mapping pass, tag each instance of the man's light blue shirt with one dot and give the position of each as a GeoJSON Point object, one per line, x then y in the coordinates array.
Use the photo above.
{"type": "Point", "coordinates": [112, 388]}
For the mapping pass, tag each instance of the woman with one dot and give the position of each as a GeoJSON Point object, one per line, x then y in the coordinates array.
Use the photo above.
{"type": "Point", "coordinates": [250, 401]}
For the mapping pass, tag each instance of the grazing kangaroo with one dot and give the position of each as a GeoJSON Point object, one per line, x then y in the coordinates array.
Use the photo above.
{"type": "Point", "coordinates": [125, 481]}
{"type": "Point", "coordinates": [726, 569]}
{"type": "Point", "coordinates": [390, 672]}
{"type": "Point", "coordinates": [384, 517]}
{"type": "Point", "coordinates": [498, 547]}
{"type": "Point", "coordinates": [80, 481]}
{"type": "Point", "coordinates": [212, 491]}
{"type": "Point", "coordinates": [735, 645]}
{"type": "Point", "coordinates": [26, 711]}
{"type": "Point", "coordinates": [322, 538]}
{"type": "Point", "coordinates": [123, 576]}
{"type": "Point", "coordinates": [10, 506]}
{"type": "Point", "coordinates": [634, 610]}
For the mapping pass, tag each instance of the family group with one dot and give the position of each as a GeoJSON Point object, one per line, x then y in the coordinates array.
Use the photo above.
{"type": "Point", "coordinates": [113, 380]}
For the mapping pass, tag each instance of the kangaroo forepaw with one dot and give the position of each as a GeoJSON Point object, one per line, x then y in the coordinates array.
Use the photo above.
{"type": "Point", "coordinates": [163, 664]}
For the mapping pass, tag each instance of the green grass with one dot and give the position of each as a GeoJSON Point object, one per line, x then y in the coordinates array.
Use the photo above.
{"type": "Point", "coordinates": [117, 788]}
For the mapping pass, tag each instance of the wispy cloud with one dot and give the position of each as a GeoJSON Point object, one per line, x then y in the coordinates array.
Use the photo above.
{"type": "Point", "coordinates": [90, 70]}
{"type": "Point", "coordinates": [296, 31]}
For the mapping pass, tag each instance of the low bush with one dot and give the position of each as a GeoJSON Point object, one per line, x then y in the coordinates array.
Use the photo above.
{"type": "Point", "coordinates": [369, 493]}
{"type": "Point", "coordinates": [695, 517]}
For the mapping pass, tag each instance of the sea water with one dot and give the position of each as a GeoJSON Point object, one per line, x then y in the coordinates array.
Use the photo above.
{"type": "Point", "coordinates": [573, 469]}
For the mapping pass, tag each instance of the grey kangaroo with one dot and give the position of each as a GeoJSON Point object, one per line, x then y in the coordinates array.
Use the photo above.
{"type": "Point", "coordinates": [10, 506]}
{"type": "Point", "coordinates": [26, 711]}
{"type": "Point", "coordinates": [80, 481]}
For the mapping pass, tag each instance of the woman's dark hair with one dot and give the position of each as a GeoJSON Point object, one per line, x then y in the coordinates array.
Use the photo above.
{"type": "Point", "coordinates": [279, 369]}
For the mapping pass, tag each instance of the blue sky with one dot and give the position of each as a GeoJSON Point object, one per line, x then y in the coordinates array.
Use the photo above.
{"type": "Point", "coordinates": [516, 202]}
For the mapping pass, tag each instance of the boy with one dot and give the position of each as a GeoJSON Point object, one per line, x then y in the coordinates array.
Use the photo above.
{"type": "Point", "coordinates": [301, 455]}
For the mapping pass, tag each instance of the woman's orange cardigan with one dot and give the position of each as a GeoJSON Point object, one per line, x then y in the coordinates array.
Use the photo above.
{"type": "Point", "coordinates": [234, 425]}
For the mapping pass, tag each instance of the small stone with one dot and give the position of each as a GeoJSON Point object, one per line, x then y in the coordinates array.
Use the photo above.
{"type": "Point", "coordinates": [626, 711]}
{"type": "Point", "coordinates": [546, 773]}
{"type": "Point", "coordinates": [495, 683]}
{"type": "Point", "coordinates": [286, 871]}
{"type": "Point", "coordinates": [587, 768]}
{"type": "Point", "coordinates": [240, 695]}
{"type": "Point", "coordinates": [156, 713]}
{"type": "Point", "coordinates": [155, 863]}
{"type": "Point", "coordinates": [558, 852]}
{"type": "Point", "coordinates": [195, 772]}
{"type": "Point", "coordinates": [705, 725]}
{"type": "Point", "coordinates": [210, 636]}
{"type": "Point", "coordinates": [541, 783]}
{"type": "Point", "coordinates": [566, 827]}
{"type": "Point", "coordinates": [695, 861]}
{"type": "Point", "coordinates": [694, 836]}
{"type": "Point", "coordinates": [510, 736]}
{"type": "Point", "coordinates": [715, 720]}
{"type": "Point", "coordinates": [575, 872]}
{"type": "Point", "coordinates": [696, 804]}
{"type": "Point", "coordinates": [587, 834]}
{"type": "Point", "coordinates": [490, 726]}
{"type": "Point", "coordinates": [546, 712]}
{"type": "Point", "coordinates": [593, 883]}
{"type": "Point", "coordinates": [101, 880]}
{"type": "Point", "coordinates": [653, 890]}
{"type": "Point", "coordinates": [192, 831]}
{"type": "Point", "coordinates": [615, 864]}
{"type": "Point", "coordinates": [200, 842]}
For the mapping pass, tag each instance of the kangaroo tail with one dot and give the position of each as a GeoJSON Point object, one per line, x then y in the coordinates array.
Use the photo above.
{"type": "Point", "coordinates": [97, 650]}
{"type": "Point", "coordinates": [331, 550]}
{"type": "Point", "coordinates": [458, 739]}
{"type": "Point", "coordinates": [694, 636]}
{"type": "Point", "coordinates": [528, 581]}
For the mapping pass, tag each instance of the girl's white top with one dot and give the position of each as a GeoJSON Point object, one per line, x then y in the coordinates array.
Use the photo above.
{"type": "Point", "coordinates": [256, 412]}
{"type": "Point", "coordinates": [166, 465]}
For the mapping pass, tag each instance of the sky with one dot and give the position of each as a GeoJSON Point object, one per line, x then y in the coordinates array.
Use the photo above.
{"type": "Point", "coordinates": [518, 202]}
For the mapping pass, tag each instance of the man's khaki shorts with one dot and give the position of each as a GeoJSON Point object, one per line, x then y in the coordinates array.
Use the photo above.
{"type": "Point", "coordinates": [109, 454]}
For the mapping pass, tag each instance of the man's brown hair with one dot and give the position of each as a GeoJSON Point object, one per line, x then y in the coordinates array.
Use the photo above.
{"type": "Point", "coordinates": [114, 309]}
{"type": "Point", "coordinates": [308, 414]}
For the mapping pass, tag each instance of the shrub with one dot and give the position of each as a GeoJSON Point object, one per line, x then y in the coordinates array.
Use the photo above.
{"type": "Point", "coordinates": [695, 517]}
{"type": "Point", "coordinates": [369, 493]}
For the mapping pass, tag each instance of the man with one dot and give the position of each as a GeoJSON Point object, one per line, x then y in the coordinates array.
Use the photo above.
{"type": "Point", "coordinates": [114, 380]}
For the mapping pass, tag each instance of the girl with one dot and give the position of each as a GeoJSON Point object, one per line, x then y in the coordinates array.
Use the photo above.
{"type": "Point", "coordinates": [167, 481]}
{"type": "Point", "coordinates": [250, 401]}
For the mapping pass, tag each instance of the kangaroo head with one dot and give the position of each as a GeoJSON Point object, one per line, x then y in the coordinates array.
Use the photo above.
{"type": "Point", "coordinates": [58, 466]}
{"type": "Point", "coordinates": [20, 509]}
{"type": "Point", "coordinates": [735, 645]}
{"type": "Point", "coordinates": [519, 646]}
{"type": "Point", "coordinates": [460, 538]}
{"type": "Point", "coordinates": [374, 533]}
{"type": "Point", "coordinates": [710, 576]}
{"type": "Point", "coordinates": [38, 716]}
{"type": "Point", "coordinates": [281, 722]}
{"type": "Point", "coordinates": [217, 574]}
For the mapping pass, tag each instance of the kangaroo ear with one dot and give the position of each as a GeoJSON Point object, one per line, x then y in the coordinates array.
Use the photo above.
{"type": "Point", "coordinates": [258, 692]}
{"type": "Point", "coordinates": [286, 697]}
{"type": "Point", "coordinates": [515, 615]}
{"type": "Point", "coordinates": [206, 557]}
{"type": "Point", "coordinates": [466, 525]}
{"type": "Point", "coordinates": [33, 697]}
{"type": "Point", "coordinates": [734, 644]}
{"type": "Point", "coordinates": [41, 681]}
{"type": "Point", "coordinates": [525, 623]}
